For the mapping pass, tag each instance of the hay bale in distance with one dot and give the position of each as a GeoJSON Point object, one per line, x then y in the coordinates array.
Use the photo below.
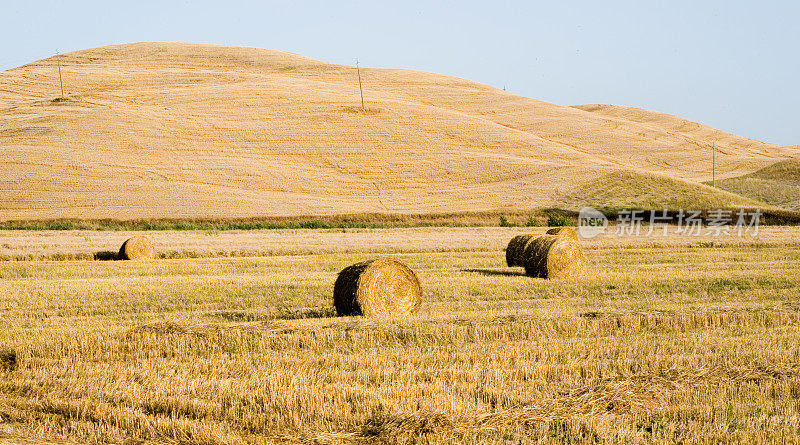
{"type": "Point", "coordinates": [563, 231]}
{"type": "Point", "coordinates": [137, 248]}
{"type": "Point", "coordinates": [378, 287]}
{"type": "Point", "coordinates": [553, 256]}
{"type": "Point", "coordinates": [515, 249]}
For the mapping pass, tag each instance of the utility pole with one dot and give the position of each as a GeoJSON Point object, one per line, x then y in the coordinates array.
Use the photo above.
{"type": "Point", "coordinates": [61, 82]}
{"type": "Point", "coordinates": [714, 164]}
{"type": "Point", "coordinates": [360, 90]}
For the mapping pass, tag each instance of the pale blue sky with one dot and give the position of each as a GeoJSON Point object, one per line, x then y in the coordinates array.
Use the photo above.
{"type": "Point", "coordinates": [734, 65]}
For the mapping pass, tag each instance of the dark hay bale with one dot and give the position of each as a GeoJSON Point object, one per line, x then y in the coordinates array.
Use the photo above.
{"type": "Point", "coordinates": [553, 256]}
{"type": "Point", "coordinates": [380, 287]}
{"type": "Point", "coordinates": [515, 249]}
{"type": "Point", "coordinates": [563, 231]}
{"type": "Point", "coordinates": [137, 248]}
{"type": "Point", "coordinates": [8, 360]}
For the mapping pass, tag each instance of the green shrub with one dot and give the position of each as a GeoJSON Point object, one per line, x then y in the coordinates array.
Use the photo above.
{"type": "Point", "coordinates": [504, 222]}
{"type": "Point", "coordinates": [558, 221]}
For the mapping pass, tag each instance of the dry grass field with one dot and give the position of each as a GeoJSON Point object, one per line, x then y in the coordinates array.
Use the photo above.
{"type": "Point", "coordinates": [85, 244]}
{"type": "Point", "coordinates": [229, 335]}
{"type": "Point", "coordinates": [672, 342]}
{"type": "Point", "coordinates": [167, 130]}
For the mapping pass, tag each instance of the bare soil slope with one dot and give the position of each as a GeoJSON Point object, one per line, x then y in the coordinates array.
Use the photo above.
{"type": "Point", "coordinates": [168, 130]}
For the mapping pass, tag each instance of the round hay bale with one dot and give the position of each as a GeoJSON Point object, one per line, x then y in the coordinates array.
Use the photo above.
{"type": "Point", "coordinates": [515, 249]}
{"type": "Point", "coordinates": [553, 256]}
{"type": "Point", "coordinates": [137, 248]}
{"type": "Point", "coordinates": [563, 231]}
{"type": "Point", "coordinates": [378, 287]}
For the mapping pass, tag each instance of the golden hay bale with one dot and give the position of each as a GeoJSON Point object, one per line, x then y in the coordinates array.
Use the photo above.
{"type": "Point", "coordinates": [377, 288]}
{"type": "Point", "coordinates": [137, 248]}
{"type": "Point", "coordinates": [553, 256]}
{"type": "Point", "coordinates": [515, 249]}
{"type": "Point", "coordinates": [563, 231]}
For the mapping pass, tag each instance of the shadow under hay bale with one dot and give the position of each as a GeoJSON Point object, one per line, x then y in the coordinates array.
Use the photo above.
{"type": "Point", "coordinates": [137, 248]}
{"type": "Point", "coordinates": [296, 314]}
{"type": "Point", "coordinates": [553, 256]}
{"type": "Point", "coordinates": [515, 250]}
{"type": "Point", "coordinates": [380, 287]}
{"type": "Point", "coordinates": [564, 231]}
{"type": "Point", "coordinates": [106, 255]}
{"type": "Point", "coordinates": [8, 360]}
{"type": "Point", "coordinates": [493, 272]}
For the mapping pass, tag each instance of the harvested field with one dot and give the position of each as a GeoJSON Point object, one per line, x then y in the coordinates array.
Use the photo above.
{"type": "Point", "coordinates": [305, 270]}
{"type": "Point", "coordinates": [57, 244]}
{"type": "Point", "coordinates": [654, 344]}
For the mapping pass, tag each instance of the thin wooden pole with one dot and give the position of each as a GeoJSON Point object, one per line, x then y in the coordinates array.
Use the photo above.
{"type": "Point", "coordinates": [714, 165]}
{"type": "Point", "coordinates": [60, 81]}
{"type": "Point", "coordinates": [360, 90]}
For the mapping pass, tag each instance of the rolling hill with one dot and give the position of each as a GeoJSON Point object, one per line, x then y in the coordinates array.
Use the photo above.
{"type": "Point", "coordinates": [170, 130]}
{"type": "Point", "coordinates": [778, 184]}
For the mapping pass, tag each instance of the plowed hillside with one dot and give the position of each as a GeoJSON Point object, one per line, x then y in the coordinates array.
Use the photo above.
{"type": "Point", "coordinates": [168, 130]}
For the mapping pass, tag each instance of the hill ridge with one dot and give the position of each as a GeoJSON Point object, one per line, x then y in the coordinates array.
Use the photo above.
{"type": "Point", "coordinates": [169, 130]}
